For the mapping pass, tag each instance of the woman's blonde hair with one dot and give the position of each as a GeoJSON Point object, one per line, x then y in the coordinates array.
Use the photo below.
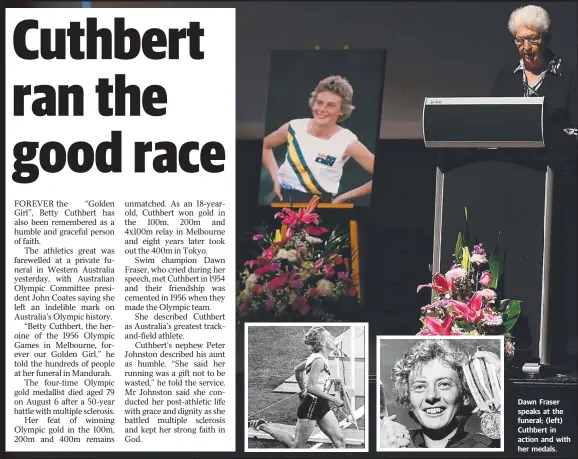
{"type": "Point", "coordinates": [314, 338]}
{"type": "Point", "coordinates": [416, 357]}
{"type": "Point", "coordinates": [340, 86]}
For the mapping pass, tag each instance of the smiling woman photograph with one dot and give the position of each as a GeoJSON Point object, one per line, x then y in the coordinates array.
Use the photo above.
{"type": "Point", "coordinates": [317, 149]}
{"type": "Point", "coordinates": [435, 387]}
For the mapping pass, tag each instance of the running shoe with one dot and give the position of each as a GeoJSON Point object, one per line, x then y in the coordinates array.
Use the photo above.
{"type": "Point", "coordinates": [255, 423]}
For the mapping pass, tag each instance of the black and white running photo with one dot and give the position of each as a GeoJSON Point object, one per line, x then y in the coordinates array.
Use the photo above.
{"type": "Point", "coordinates": [440, 393]}
{"type": "Point", "coordinates": [306, 386]}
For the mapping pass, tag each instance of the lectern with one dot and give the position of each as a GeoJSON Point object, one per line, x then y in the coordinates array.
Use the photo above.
{"type": "Point", "coordinates": [484, 122]}
{"type": "Point", "coordinates": [491, 160]}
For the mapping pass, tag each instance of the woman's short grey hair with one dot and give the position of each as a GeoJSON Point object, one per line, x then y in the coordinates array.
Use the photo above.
{"type": "Point", "coordinates": [340, 86]}
{"type": "Point", "coordinates": [315, 338]}
{"type": "Point", "coordinates": [416, 357]}
{"type": "Point", "coordinates": [531, 16]}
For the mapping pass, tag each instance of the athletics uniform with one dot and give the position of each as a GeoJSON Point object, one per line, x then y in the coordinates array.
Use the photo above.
{"type": "Point", "coordinates": [312, 165]}
{"type": "Point", "coordinates": [313, 407]}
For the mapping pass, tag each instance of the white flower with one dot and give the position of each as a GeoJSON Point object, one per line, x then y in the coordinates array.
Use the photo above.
{"type": "Point", "coordinates": [325, 287]}
{"type": "Point", "coordinates": [457, 330]}
{"type": "Point", "coordinates": [292, 255]}
{"type": "Point", "coordinates": [251, 280]}
{"type": "Point", "coordinates": [313, 240]}
{"type": "Point", "coordinates": [478, 258]}
{"type": "Point", "coordinates": [282, 253]}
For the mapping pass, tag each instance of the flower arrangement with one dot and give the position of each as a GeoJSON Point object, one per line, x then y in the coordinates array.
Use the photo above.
{"type": "Point", "coordinates": [466, 301]}
{"type": "Point", "coordinates": [300, 272]}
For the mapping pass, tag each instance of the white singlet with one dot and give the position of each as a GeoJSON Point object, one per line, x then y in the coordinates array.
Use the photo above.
{"type": "Point", "coordinates": [324, 374]}
{"type": "Point", "coordinates": [314, 165]}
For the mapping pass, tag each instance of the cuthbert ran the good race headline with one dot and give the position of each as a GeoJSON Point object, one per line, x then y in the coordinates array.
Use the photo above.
{"type": "Point", "coordinates": [90, 42]}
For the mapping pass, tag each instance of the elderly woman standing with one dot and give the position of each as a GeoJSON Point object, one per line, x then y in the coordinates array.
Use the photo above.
{"type": "Point", "coordinates": [318, 148]}
{"type": "Point", "coordinates": [539, 72]}
{"type": "Point", "coordinates": [429, 380]}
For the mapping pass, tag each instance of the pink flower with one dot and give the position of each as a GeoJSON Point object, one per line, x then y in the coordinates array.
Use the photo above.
{"type": "Point", "coordinates": [316, 230]}
{"type": "Point", "coordinates": [440, 284]}
{"type": "Point", "coordinates": [486, 278]}
{"type": "Point", "coordinates": [347, 282]}
{"type": "Point", "coordinates": [472, 311]}
{"type": "Point", "coordinates": [300, 303]}
{"type": "Point", "coordinates": [257, 237]}
{"type": "Point", "coordinates": [329, 271]}
{"type": "Point", "coordinates": [243, 307]}
{"type": "Point", "coordinates": [251, 263]}
{"type": "Point", "coordinates": [318, 264]}
{"type": "Point", "coordinates": [289, 233]}
{"type": "Point", "coordinates": [351, 291]}
{"type": "Point", "coordinates": [270, 305]}
{"type": "Point", "coordinates": [257, 289]}
{"type": "Point", "coordinates": [456, 273]}
{"type": "Point", "coordinates": [479, 249]}
{"type": "Point", "coordinates": [269, 254]}
{"type": "Point", "coordinates": [492, 319]}
{"type": "Point", "coordinates": [277, 283]}
{"type": "Point", "coordinates": [437, 305]}
{"type": "Point", "coordinates": [509, 348]}
{"type": "Point", "coordinates": [338, 259]}
{"type": "Point", "coordinates": [273, 267]}
{"type": "Point", "coordinates": [488, 294]}
{"type": "Point", "coordinates": [312, 204]}
{"type": "Point", "coordinates": [313, 292]}
{"type": "Point", "coordinates": [436, 327]}
{"type": "Point", "coordinates": [342, 275]}
{"type": "Point", "coordinates": [305, 216]}
{"type": "Point", "coordinates": [297, 284]}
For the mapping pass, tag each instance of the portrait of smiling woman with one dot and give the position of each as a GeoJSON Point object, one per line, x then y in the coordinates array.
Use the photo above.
{"type": "Point", "coordinates": [318, 148]}
{"type": "Point", "coordinates": [439, 387]}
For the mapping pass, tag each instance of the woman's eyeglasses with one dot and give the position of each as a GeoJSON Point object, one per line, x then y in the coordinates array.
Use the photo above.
{"type": "Point", "coordinates": [533, 41]}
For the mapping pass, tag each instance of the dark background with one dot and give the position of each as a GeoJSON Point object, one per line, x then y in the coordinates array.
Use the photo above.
{"type": "Point", "coordinates": [295, 74]}
{"type": "Point", "coordinates": [434, 49]}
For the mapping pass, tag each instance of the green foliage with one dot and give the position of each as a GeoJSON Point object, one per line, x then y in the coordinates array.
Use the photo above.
{"type": "Point", "coordinates": [512, 309]}
{"type": "Point", "coordinates": [458, 252]}
{"type": "Point", "coordinates": [494, 270]}
{"type": "Point", "coordinates": [337, 241]}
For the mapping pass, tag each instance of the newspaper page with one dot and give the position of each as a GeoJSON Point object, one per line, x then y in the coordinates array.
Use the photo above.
{"type": "Point", "coordinates": [236, 229]}
{"type": "Point", "coordinates": [120, 229]}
